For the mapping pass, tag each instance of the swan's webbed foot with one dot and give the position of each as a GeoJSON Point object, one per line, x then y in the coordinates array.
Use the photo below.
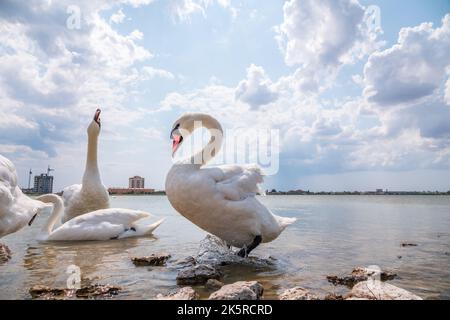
{"type": "Point", "coordinates": [245, 251]}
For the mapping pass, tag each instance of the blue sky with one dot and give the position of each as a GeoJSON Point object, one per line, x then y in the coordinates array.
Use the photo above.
{"type": "Point", "coordinates": [356, 107]}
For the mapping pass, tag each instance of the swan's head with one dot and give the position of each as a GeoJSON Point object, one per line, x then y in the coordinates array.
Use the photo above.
{"type": "Point", "coordinates": [188, 123]}
{"type": "Point", "coordinates": [181, 129]}
{"type": "Point", "coordinates": [94, 127]}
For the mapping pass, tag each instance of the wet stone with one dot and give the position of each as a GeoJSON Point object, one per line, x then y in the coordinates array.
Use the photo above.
{"type": "Point", "coordinates": [358, 275]}
{"type": "Point", "coordinates": [213, 284]}
{"type": "Point", "coordinates": [42, 292]}
{"type": "Point", "coordinates": [377, 290]}
{"type": "Point", "coordinates": [198, 274]}
{"type": "Point", "coordinates": [185, 293]}
{"type": "Point", "coordinates": [158, 259]}
{"type": "Point", "coordinates": [241, 290]}
{"type": "Point", "coordinates": [297, 293]}
{"type": "Point", "coordinates": [97, 290]}
{"type": "Point", "coordinates": [46, 293]}
{"type": "Point", "coordinates": [215, 252]}
{"type": "Point", "coordinates": [5, 253]}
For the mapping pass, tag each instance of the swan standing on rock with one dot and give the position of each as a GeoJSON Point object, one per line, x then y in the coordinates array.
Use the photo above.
{"type": "Point", "coordinates": [104, 224]}
{"type": "Point", "coordinates": [220, 200]}
{"type": "Point", "coordinates": [91, 194]}
{"type": "Point", "coordinates": [16, 209]}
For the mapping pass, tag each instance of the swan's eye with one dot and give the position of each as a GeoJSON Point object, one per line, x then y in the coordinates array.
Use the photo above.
{"type": "Point", "coordinates": [176, 127]}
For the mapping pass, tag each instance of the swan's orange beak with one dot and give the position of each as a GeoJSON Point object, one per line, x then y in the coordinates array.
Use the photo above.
{"type": "Point", "coordinates": [176, 143]}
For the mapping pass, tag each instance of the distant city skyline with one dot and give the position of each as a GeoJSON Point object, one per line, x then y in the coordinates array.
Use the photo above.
{"type": "Point", "coordinates": [360, 96]}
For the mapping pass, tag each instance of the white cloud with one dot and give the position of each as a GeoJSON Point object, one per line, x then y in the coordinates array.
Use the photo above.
{"type": "Point", "coordinates": [447, 92]}
{"type": "Point", "coordinates": [182, 10]}
{"type": "Point", "coordinates": [412, 69]}
{"type": "Point", "coordinates": [65, 74]}
{"type": "Point", "coordinates": [117, 17]}
{"type": "Point", "coordinates": [321, 36]}
{"type": "Point", "coordinates": [136, 35]}
{"type": "Point", "coordinates": [150, 73]}
{"type": "Point", "coordinates": [256, 89]}
{"type": "Point", "coordinates": [326, 32]}
{"type": "Point", "coordinates": [137, 3]}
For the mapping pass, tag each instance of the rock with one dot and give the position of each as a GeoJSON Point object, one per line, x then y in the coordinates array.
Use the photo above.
{"type": "Point", "coordinates": [213, 251]}
{"type": "Point", "coordinates": [47, 293]}
{"type": "Point", "coordinates": [185, 293]}
{"type": "Point", "coordinates": [241, 290]}
{"type": "Point", "coordinates": [407, 244]}
{"type": "Point", "coordinates": [197, 274]}
{"type": "Point", "coordinates": [158, 259]}
{"type": "Point", "coordinates": [332, 296]}
{"type": "Point", "coordinates": [377, 290]}
{"type": "Point", "coordinates": [297, 293]}
{"type": "Point", "coordinates": [186, 262]}
{"type": "Point", "coordinates": [89, 292]}
{"type": "Point", "coordinates": [213, 284]}
{"type": "Point", "coordinates": [5, 253]}
{"type": "Point", "coordinates": [360, 274]}
{"type": "Point", "coordinates": [97, 290]}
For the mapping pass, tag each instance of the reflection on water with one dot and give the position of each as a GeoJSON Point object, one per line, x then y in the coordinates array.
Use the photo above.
{"type": "Point", "coordinates": [334, 234]}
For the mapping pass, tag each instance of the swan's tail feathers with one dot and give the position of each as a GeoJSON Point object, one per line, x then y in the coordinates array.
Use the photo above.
{"type": "Point", "coordinates": [148, 229]}
{"type": "Point", "coordinates": [284, 222]}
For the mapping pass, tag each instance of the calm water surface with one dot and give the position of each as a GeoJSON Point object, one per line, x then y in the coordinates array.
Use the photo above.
{"type": "Point", "coordinates": [333, 235]}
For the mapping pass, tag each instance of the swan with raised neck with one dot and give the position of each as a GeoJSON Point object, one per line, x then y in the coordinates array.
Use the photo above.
{"type": "Point", "coordinates": [219, 199]}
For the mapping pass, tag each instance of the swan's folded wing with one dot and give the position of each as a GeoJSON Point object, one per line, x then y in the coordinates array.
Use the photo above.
{"type": "Point", "coordinates": [98, 225]}
{"type": "Point", "coordinates": [8, 184]}
{"type": "Point", "coordinates": [6, 200]}
{"type": "Point", "coordinates": [69, 192]}
{"type": "Point", "coordinates": [239, 182]}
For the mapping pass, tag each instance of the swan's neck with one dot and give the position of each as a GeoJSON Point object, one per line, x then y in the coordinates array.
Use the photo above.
{"type": "Point", "coordinates": [214, 144]}
{"type": "Point", "coordinates": [91, 172]}
{"type": "Point", "coordinates": [58, 210]}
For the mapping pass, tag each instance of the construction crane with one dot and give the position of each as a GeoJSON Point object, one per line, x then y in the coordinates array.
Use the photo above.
{"type": "Point", "coordinates": [29, 178]}
{"type": "Point", "coordinates": [49, 170]}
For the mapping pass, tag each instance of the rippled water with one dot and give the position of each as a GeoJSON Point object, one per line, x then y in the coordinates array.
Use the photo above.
{"type": "Point", "coordinates": [333, 235]}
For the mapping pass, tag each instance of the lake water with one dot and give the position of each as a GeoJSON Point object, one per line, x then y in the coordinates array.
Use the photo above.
{"type": "Point", "coordinates": [333, 235]}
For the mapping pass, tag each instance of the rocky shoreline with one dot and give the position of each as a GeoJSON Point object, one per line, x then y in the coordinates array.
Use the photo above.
{"type": "Point", "coordinates": [205, 272]}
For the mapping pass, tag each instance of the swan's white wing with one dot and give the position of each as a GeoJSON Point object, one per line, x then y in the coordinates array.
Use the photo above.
{"type": "Point", "coordinates": [102, 224]}
{"type": "Point", "coordinates": [69, 192]}
{"type": "Point", "coordinates": [16, 209]}
{"type": "Point", "coordinates": [237, 182]}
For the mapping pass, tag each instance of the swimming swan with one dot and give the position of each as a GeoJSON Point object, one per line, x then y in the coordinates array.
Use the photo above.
{"type": "Point", "coordinates": [91, 194]}
{"type": "Point", "coordinates": [104, 224]}
{"type": "Point", "coordinates": [16, 209]}
{"type": "Point", "coordinates": [220, 200]}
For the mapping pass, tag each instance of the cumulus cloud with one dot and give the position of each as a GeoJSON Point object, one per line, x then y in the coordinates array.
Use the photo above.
{"type": "Point", "coordinates": [325, 33]}
{"type": "Point", "coordinates": [321, 36]}
{"type": "Point", "coordinates": [117, 17]}
{"type": "Point", "coordinates": [413, 68]}
{"type": "Point", "coordinates": [151, 72]}
{"type": "Point", "coordinates": [182, 10]}
{"type": "Point", "coordinates": [256, 89]}
{"type": "Point", "coordinates": [65, 73]}
{"type": "Point", "coordinates": [447, 92]}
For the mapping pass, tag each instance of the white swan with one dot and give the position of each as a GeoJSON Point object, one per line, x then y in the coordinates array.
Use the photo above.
{"type": "Point", "coordinates": [220, 200]}
{"type": "Point", "coordinates": [91, 194]}
{"type": "Point", "coordinates": [16, 209]}
{"type": "Point", "coordinates": [104, 224]}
